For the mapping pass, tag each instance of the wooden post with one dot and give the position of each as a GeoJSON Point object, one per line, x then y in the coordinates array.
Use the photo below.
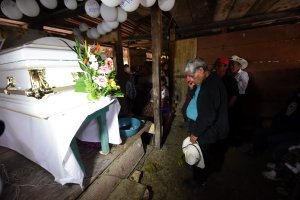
{"type": "Point", "coordinates": [120, 68]}
{"type": "Point", "coordinates": [156, 35]}
{"type": "Point", "coordinates": [119, 60]}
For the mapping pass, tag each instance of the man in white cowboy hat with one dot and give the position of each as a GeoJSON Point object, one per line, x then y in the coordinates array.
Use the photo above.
{"type": "Point", "coordinates": [207, 112]}
{"type": "Point", "coordinates": [237, 67]}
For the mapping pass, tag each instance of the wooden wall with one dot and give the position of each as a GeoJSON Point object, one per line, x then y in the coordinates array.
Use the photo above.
{"type": "Point", "coordinates": [137, 58]}
{"type": "Point", "coordinates": [183, 50]}
{"type": "Point", "coordinates": [273, 54]}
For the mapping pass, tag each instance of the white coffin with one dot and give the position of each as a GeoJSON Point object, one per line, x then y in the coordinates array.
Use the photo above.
{"type": "Point", "coordinates": [59, 62]}
{"type": "Point", "coordinates": [48, 52]}
{"type": "Point", "coordinates": [42, 129]}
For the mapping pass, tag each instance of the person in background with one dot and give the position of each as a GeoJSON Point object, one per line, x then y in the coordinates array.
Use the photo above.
{"type": "Point", "coordinates": [130, 90]}
{"type": "Point", "coordinates": [280, 131]}
{"type": "Point", "coordinates": [222, 67]}
{"type": "Point", "coordinates": [164, 94]}
{"type": "Point", "coordinates": [164, 97]}
{"type": "Point", "coordinates": [207, 114]}
{"type": "Point", "coordinates": [165, 71]}
{"type": "Point", "coordinates": [237, 66]}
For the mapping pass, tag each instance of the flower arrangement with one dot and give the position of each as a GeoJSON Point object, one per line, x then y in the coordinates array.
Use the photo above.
{"type": "Point", "coordinates": [98, 76]}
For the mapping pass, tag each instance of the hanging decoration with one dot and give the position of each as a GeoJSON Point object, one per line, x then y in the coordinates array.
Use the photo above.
{"type": "Point", "coordinates": [92, 8]}
{"type": "Point", "coordinates": [112, 12]}
{"type": "Point", "coordinates": [9, 9]}
{"type": "Point", "coordinates": [108, 13]}
{"type": "Point", "coordinates": [29, 8]}
{"type": "Point", "coordinates": [100, 29]}
{"type": "Point", "coordinates": [49, 4]}
{"type": "Point", "coordinates": [166, 5]}
{"type": "Point", "coordinates": [112, 25]}
{"type": "Point", "coordinates": [83, 27]}
{"type": "Point", "coordinates": [71, 4]}
{"type": "Point", "coordinates": [105, 27]}
{"type": "Point", "coordinates": [129, 5]}
{"type": "Point", "coordinates": [147, 3]}
{"type": "Point", "coordinates": [111, 3]}
{"type": "Point", "coordinates": [122, 15]}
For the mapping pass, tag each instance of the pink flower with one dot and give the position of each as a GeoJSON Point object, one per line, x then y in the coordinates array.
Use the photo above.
{"type": "Point", "coordinates": [101, 81]}
{"type": "Point", "coordinates": [104, 69]}
{"type": "Point", "coordinates": [109, 62]}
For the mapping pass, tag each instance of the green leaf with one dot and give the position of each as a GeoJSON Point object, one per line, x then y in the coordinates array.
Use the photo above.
{"type": "Point", "coordinates": [80, 85]}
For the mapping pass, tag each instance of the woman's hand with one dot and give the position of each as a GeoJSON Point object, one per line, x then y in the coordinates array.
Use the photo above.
{"type": "Point", "coordinates": [191, 85]}
{"type": "Point", "coordinates": [190, 81]}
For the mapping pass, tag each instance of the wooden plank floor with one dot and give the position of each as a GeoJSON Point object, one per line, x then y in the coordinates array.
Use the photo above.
{"type": "Point", "coordinates": [27, 180]}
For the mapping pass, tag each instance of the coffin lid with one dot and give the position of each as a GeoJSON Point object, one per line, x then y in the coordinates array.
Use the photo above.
{"type": "Point", "coordinates": [45, 43]}
{"type": "Point", "coordinates": [46, 51]}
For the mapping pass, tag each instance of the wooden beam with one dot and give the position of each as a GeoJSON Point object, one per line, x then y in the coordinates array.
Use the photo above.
{"type": "Point", "coordinates": [223, 9]}
{"type": "Point", "coordinates": [284, 5]}
{"type": "Point", "coordinates": [242, 27]}
{"type": "Point", "coordinates": [156, 32]}
{"type": "Point", "coordinates": [137, 37]}
{"type": "Point", "coordinates": [240, 8]}
{"type": "Point", "coordinates": [261, 7]}
{"type": "Point", "coordinates": [237, 22]}
{"type": "Point", "coordinates": [58, 15]}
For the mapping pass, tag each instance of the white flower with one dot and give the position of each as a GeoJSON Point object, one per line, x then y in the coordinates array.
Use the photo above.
{"type": "Point", "coordinates": [94, 65]}
{"type": "Point", "coordinates": [93, 58]}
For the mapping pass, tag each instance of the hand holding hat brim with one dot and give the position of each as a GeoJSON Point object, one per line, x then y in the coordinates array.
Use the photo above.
{"type": "Point", "coordinates": [193, 153]}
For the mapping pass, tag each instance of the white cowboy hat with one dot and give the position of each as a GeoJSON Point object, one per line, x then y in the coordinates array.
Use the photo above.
{"type": "Point", "coordinates": [193, 154]}
{"type": "Point", "coordinates": [242, 61]}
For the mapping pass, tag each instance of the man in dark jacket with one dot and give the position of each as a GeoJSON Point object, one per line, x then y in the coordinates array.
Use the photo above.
{"type": "Point", "coordinates": [207, 111]}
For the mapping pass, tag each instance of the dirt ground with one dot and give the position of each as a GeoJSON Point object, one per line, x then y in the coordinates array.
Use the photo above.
{"type": "Point", "coordinates": [239, 178]}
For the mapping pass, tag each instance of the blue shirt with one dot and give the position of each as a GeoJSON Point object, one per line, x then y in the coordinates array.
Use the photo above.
{"type": "Point", "coordinates": [192, 111]}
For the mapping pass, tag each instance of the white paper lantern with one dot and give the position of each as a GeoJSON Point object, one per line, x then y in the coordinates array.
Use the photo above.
{"type": "Point", "coordinates": [122, 15]}
{"type": "Point", "coordinates": [9, 9]}
{"type": "Point", "coordinates": [29, 8]}
{"type": "Point", "coordinates": [88, 34]}
{"type": "Point", "coordinates": [108, 13]}
{"type": "Point", "coordinates": [80, 38]}
{"type": "Point", "coordinates": [147, 3]}
{"type": "Point", "coordinates": [83, 27]}
{"type": "Point", "coordinates": [129, 5]}
{"type": "Point", "coordinates": [166, 5]}
{"type": "Point", "coordinates": [106, 28]}
{"type": "Point", "coordinates": [111, 3]}
{"type": "Point", "coordinates": [112, 25]}
{"type": "Point", "coordinates": [100, 29]}
{"type": "Point", "coordinates": [76, 31]}
{"type": "Point", "coordinates": [49, 4]}
{"type": "Point", "coordinates": [92, 8]}
{"type": "Point", "coordinates": [70, 4]}
{"type": "Point", "coordinates": [94, 33]}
